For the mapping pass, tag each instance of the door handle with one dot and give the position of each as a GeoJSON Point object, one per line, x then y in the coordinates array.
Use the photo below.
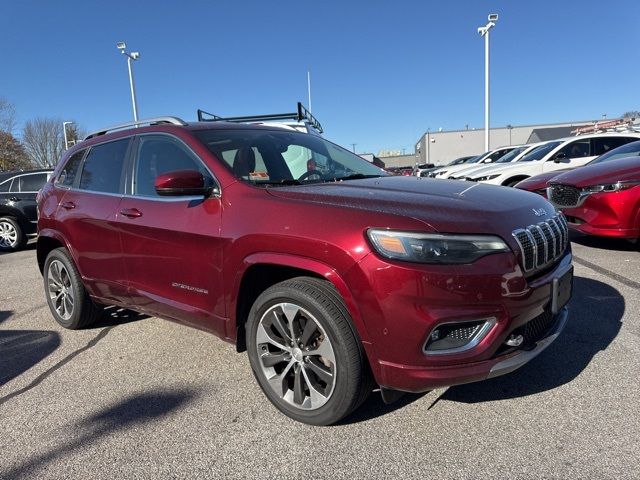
{"type": "Point", "coordinates": [14, 199]}
{"type": "Point", "coordinates": [131, 212]}
{"type": "Point", "coordinates": [68, 205]}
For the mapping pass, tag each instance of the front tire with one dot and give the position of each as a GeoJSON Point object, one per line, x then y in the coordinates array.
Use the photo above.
{"type": "Point", "coordinates": [12, 238]}
{"type": "Point", "coordinates": [304, 352]}
{"type": "Point", "coordinates": [68, 300]}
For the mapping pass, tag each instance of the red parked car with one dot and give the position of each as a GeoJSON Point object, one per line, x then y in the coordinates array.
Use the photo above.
{"type": "Point", "coordinates": [334, 279]}
{"type": "Point", "coordinates": [539, 183]}
{"type": "Point", "coordinates": [601, 199]}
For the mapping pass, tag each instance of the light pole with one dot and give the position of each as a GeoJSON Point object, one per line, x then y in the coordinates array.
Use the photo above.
{"type": "Point", "coordinates": [353, 145]}
{"type": "Point", "coordinates": [130, 57]}
{"type": "Point", "coordinates": [484, 32]}
{"type": "Point", "coordinates": [428, 145]}
{"type": "Point", "coordinates": [64, 130]}
{"type": "Point", "coordinates": [510, 127]}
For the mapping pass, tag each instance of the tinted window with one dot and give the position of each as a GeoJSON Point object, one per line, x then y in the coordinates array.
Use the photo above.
{"type": "Point", "coordinates": [511, 155]}
{"type": "Point", "coordinates": [32, 183]}
{"type": "Point", "coordinates": [102, 168]}
{"type": "Point", "coordinates": [15, 186]}
{"type": "Point", "coordinates": [605, 144]}
{"type": "Point", "coordinates": [158, 154]}
{"type": "Point", "coordinates": [539, 153]}
{"type": "Point", "coordinates": [4, 187]}
{"type": "Point", "coordinates": [68, 174]}
{"type": "Point", "coordinates": [499, 153]}
{"type": "Point", "coordinates": [629, 150]}
{"type": "Point", "coordinates": [577, 149]}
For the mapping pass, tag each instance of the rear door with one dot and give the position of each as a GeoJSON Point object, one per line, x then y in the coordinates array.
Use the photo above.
{"type": "Point", "coordinates": [87, 216]}
{"type": "Point", "coordinates": [172, 245]}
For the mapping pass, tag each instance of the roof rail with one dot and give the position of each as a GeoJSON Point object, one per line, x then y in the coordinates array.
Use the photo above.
{"type": "Point", "coordinates": [147, 121]}
{"type": "Point", "coordinates": [301, 115]}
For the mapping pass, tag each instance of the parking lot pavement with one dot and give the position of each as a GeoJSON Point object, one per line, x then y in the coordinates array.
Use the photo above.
{"type": "Point", "coordinates": [145, 398]}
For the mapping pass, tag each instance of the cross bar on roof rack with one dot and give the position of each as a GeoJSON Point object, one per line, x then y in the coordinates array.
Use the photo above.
{"type": "Point", "coordinates": [148, 121]}
{"type": "Point", "coordinates": [302, 115]}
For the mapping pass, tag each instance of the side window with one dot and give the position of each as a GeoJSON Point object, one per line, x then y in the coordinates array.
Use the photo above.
{"type": "Point", "coordinates": [32, 183]}
{"type": "Point", "coordinates": [102, 168]}
{"type": "Point", "coordinates": [4, 187]}
{"type": "Point", "coordinates": [158, 154]}
{"type": "Point", "coordinates": [68, 174]}
{"type": "Point", "coordinates": [577, 149]}
{"type": "Point", "coordinates": [604, 144]}
{"type": "Point", "coordinates": [15, 186]}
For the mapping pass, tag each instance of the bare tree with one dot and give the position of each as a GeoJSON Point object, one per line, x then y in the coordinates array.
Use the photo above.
{"type": "Point", "coordinates": [7, 115]}
{"type": "Point", "coordinates": [12, 154]}
{"type": "Point", "coordinates": [631, 114]}
{"type": "Point", "coordinates": [44, 141]}
{"type": "Point", "coordinates": [75, 133]}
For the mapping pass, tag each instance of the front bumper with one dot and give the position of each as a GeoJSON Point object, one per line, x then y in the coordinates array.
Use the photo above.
{"type": "Point", "coordinates": [401, 304]}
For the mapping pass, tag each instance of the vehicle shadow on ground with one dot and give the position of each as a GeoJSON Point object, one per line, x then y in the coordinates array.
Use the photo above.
{"type": "Point", "coordinates": [113, 315]}
{"type": "Point", "coordinates": [604, 243]}
{"type": "Point", "coordinates": [127, 414]}
{"type": "Point", "coordinates": [374, 407]}
{"type": "Point", "coordinates": [22, 349]}
{"type": "Point", "coordinates": [595, 315]}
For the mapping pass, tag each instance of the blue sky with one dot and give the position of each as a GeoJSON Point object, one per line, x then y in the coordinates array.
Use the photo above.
{"type": "Point", "coordinates": [382, 71]}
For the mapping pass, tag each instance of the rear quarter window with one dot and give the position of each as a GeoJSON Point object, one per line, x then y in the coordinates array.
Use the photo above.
{"type": "Point", "coordinates": [69, 172]}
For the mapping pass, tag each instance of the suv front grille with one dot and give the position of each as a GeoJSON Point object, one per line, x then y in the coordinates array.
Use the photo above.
{"type": "Point", "coordinates": [564, 195]}
{"type": "Point", "coordinates": [542, 244]}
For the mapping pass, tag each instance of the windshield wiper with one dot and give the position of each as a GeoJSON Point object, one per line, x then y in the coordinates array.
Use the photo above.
{"type": "Point", "coordinates": [356, 176]}
{"type": "Point", "coordinates": [284, 181]}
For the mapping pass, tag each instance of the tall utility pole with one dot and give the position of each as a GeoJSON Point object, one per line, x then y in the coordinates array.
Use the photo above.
{"type": "Point", "coordinates": [64, 130]}
{"type": "Point", "coordinates": [484, 32]}
{"type": "Point", "coordinates": [353, 146]}
{"type": "Point", "coordinates": [309, 88]}
{"type": "Point", "coordinates": [130, 58]}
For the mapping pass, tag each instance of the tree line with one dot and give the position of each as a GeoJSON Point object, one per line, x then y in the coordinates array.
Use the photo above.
{"type": "Point", "coordinates": [39, 144]}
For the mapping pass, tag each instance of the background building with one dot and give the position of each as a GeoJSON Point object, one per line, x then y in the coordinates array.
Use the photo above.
{"type": "Point", "coordinates": [441, 147]}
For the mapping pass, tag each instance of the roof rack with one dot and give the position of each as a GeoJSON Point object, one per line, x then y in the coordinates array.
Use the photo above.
{"type": "Point", "coordinates": [616, 125]}
{"type": "Point", "coordinates": [148, 121]}
{"type": "Point", "coordinates": [301, 115]}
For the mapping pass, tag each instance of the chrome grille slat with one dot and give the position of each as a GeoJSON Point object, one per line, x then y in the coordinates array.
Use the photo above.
{"type": "Point", "coordinates": [542, 244]}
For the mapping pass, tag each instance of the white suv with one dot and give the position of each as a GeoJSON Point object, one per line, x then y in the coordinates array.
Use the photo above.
{"type": "Point", "coordinates": [487, 157]}
{"type": "Point", "coordinates": [556, 155]}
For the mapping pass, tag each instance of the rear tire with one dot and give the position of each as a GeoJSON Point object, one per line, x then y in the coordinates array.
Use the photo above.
{"type": "Point", "coordinates": [12, 238]}
{"type": "Point", "coordinates": [68, 300]}
{"type": "Point", "coordinates": [304, 352]}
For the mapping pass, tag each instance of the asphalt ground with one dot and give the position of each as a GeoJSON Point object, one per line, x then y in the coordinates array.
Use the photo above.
{"type": "Point", "coordinates": [137, 397]}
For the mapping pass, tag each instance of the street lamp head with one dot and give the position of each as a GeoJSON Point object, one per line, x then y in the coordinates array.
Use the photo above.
{"type": "Point", "coordinates": [121, 46]}
{"type": "Point", "coordinates": [493, 17]}
{"type": "Point", "coordinates": [135, 55]}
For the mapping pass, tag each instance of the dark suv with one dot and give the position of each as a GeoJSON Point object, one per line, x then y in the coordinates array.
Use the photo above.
{"type": "Point", "coordinates": [18, 215]}
{"type": "Point", "coordinates": [333, 275]}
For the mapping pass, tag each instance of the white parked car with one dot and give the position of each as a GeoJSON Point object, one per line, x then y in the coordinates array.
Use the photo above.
{"type": "Point", "coordinates": [513, 156]}
{"type": "Point", "coordinates": [555, 155]}
{"type": "Point", "coordinates": [487, 157]}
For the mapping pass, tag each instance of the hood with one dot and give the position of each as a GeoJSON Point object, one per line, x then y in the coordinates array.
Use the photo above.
{"type": "Point", "coordinates": [620, 170]}
{"type": "Point", "coordinates": [442, 205]}
{"type": "Point", "coordinates": [539, 182]}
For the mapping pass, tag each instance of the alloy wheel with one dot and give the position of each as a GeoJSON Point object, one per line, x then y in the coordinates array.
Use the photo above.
{"type": "Point", "coordinates": [296, 356]}
{"type": "Point", "coordinates": [8, 235]}
{"type": "Point", "coordinates": [60, 289]}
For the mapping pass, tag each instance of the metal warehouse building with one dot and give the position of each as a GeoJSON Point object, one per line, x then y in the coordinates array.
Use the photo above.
{"type": "Point", "coordinates": [443, 146]}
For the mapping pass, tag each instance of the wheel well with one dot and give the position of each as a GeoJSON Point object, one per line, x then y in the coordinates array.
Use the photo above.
{"type": "Point", "coordinates": [256, 280]}
{"type": "Point", "coordinates": [511, 180]}
{"type": "Point", "coordinates": [45, 245]}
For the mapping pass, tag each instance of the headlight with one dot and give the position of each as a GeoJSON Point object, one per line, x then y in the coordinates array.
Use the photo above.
{"type": "Point", "coordinates": [610, 187]}
{"type": "Point", "coordinates": [487, 177]}
{"type": "Point", "coordinates": [434, 247]}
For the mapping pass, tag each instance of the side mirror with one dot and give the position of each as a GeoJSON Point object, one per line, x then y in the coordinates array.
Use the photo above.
{"type": "Point", "coordinates": [182, 183]}
{"type": "Point", "coordinates": [559, 156]}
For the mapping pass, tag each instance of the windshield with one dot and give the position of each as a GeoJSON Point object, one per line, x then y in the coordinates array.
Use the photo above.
{"type": "Point", "coordinates": [538, 153]}
{"type": "Point", "coordinates": [629, 150]}
{"type": "Point", "coordinates": [269, 157]}
{"type": "Point", "coordinates": [511, 155]}
{"type": "Point", "coordinates": [478, 158]}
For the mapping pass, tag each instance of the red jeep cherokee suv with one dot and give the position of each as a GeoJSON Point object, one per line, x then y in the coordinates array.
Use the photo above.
{"type": "Point", "coordinates": [333, 279]}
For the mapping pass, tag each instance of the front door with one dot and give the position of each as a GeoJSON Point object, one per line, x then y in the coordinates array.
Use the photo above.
{"type": "Point", "coordinates": [172, 246]}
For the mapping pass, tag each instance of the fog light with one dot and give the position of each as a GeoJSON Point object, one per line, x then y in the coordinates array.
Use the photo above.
{"type": "Point", "coordinates": [514, 340]}
{"type": "Point", "coordinates": [454, 337]}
